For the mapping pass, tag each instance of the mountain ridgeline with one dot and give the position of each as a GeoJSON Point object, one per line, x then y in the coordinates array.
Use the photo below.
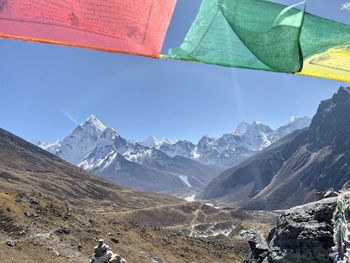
{"type": "Point", "coordinates": [231, 148]}
{"type": "Point", "coordinates": [180, 168]}
{"type": "Point", "coordinates": [290, 171]}
{"type": "Point", "coordinates": [25, 167]}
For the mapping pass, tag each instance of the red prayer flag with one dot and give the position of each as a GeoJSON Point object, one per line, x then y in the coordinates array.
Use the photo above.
{"type": "Point", "coordinates": [125, 26]}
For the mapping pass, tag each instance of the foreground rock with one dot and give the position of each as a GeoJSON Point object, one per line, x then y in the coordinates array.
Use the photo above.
{"type": "Point", "coordinates": [302, 234]}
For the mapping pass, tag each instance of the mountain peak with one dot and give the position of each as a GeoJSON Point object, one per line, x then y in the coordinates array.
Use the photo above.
{"type": "Point", "coordinates": [344, 91]}
{"type": "Point", "coordinates": [341, 97]}
{"type": "Point", "coordinates": [244, 128]}
{"type": "Point", "coordinates": [92, 121]}
{"type": "Point", "coordinates": [258, 123]}
{"type": "Point", "coordinates": [330, 125]}
{"type": "Point", "coordinates": [152, 138]}
{"type": "Point", "coordinates": [241, 128]}
{"type": "Point", "coordinates": [153, 142]}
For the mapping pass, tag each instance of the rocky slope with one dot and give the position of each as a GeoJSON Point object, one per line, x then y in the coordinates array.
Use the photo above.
{"type": "Point", "coordinates": [99, 149]}
{"type": "Point", "coordinates": [289, 171]}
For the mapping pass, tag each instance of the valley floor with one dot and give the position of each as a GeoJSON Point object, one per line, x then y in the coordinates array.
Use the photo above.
{"type": "Point", "coordinates": [34, 228]}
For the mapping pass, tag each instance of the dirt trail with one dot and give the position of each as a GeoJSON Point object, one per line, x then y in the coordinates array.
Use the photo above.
{"type": "Point", "coordinates": [131, 211]}
{"type": "Point", "coordinates": [195, 218]}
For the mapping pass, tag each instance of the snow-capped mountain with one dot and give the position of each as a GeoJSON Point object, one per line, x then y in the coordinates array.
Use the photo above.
{"type": "Point", "coordinates": [97, 148]}
{"type": "Point", "coordinates": [82, 141]}
{"type": "Point", "coordinates": [233, 148]}
{"type": "Point", "coordinates": [296, 123]}
{"type": "Point", "coordinates": [163, 165]}
{"type": "Point", "coordinates": [181, 148]}
{"type": "Point", "coordinates": [153, 142]}
{"type": "Point", "coordinates": [253, 137]}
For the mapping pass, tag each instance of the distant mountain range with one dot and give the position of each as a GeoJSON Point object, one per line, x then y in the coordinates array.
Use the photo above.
{"type": "Point", "coordinates": [99, 149]}
{"type": "Point", "coordinates": [233, 148]}
{"type": "Point", "coordinates": [180, 168]}
{"type": "Point", "coordinates": [290, 171]}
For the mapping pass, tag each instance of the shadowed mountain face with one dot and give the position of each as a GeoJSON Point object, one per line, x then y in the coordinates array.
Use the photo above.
{"type": "Point", "coordinates": [25, 167]}
{"type": "Point", "coordinates": [289, 171]}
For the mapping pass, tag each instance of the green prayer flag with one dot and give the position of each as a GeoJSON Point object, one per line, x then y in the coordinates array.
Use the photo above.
{"type": "Point", "coordinates": [259, 34]}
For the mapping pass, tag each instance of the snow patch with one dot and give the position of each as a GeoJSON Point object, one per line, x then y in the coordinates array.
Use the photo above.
{"type": "Point", "coordinates": [190, 198]}
{"type": "Point", "coordinates": [213, 231]}
{"type": "Point", "coordinates": [213, 206]}
{"type": "Point", "coordinates": [196, 154]}
{"type": "Point", "coordinates": [184, 179]}
{"type": "Point", "coordinates": [199, 181]}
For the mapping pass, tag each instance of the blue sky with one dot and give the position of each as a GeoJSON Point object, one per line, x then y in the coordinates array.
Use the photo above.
{"type": "Point", "coordinates": [46, 90]}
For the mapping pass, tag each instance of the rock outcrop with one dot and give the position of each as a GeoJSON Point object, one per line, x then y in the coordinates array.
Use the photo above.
{"type": "Point", "coordinates": [302, 234]}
